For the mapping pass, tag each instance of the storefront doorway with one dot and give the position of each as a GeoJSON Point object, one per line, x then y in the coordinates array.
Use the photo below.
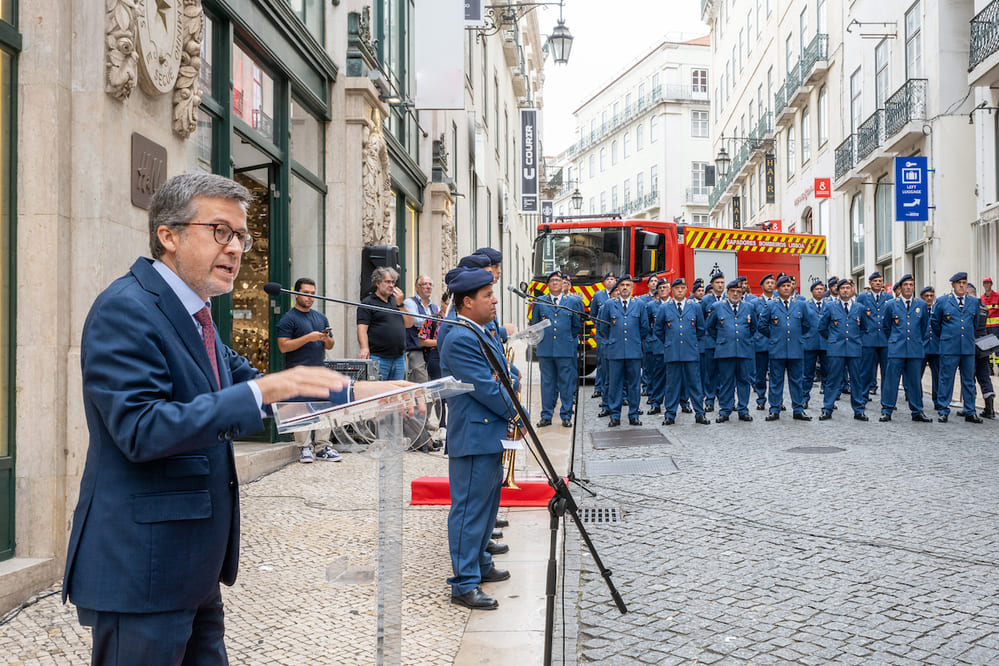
{"type": "Point", "coordinates": [251, 318]}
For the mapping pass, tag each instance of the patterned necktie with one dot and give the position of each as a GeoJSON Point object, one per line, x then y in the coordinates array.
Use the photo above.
{"type": "Point", "coordinates": [204, 317]}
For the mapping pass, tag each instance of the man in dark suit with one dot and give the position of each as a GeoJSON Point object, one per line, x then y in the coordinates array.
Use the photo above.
{"type": "Point", "coordinates": [157, 523]}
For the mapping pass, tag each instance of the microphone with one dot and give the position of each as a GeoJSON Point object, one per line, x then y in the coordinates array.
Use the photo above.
{"type": "Point", "coordinates": [512, 289]}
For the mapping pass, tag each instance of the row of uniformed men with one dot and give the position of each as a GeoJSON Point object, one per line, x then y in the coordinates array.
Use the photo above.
{"type": "Point", "coordinates": [698, 350]}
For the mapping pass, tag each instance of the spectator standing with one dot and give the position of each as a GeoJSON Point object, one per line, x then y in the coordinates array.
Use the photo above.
{"type": "Point", "coordinates": [990, 299]}
{"type": "Point", "coordinates": [982, 375]}
{"type": "Point", "coordinates": [303, 336]}
{"type": "Point", "coordinates": [418, 348]}
{"type": "Point", "coordinates": [382, 335]}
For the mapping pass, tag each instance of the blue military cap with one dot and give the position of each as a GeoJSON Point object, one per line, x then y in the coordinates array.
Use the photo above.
{"type": "Point", "coordinates": [742, 278]}
{"type": "Point", "coordinates": [677, 282]}
{"type": "Point", "coordinates": [783, 279]}
{"type": "Point", "coordinates": [816, 284]}
{"type": "Point", "coordinates": [765, 278]}
{"type": "Point", "coordinates": [716, 275]}
{"type": "Point", "coordinates": [926, 289]}
{"type": "Point", "coordinates": [957, 277]}
{"type": "Point", "coordinates": [609, 274]}
{"type": "Point", "coordinates": [833, 280]}
{"type": "Point", "coordinates": [844, 281]}
{"type": "Point", "coordinates": [494, 256]}
{"type": "Point", "coordinates": [557, 274]}
{"type": "Point", "coordinates": [462, 280]}
{"type": "Point", "coordinates": [734, 284]}
{"type": "Point", "coordinates": [781, 274]}
{"type": "Point", "coordinates": [874, 276]}
{"type": "Point", "coordinates": [907, 276]}
{"type": "Point", "coordinates": [697, 283]}
{"type": "Point", "coordinates": [474, 261]}
{"type": "Point", "coordinates": [625, 277]}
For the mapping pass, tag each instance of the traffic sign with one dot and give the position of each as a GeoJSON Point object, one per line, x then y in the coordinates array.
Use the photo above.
{"type": "Point", "coordinates": [911, 189]}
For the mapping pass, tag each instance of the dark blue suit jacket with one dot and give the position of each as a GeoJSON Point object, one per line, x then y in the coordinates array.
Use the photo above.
{"type": "Point", "coordinates": [953, 326]}
{"type": "Point", "coordinates": [156, 526]}
{"type": "Point", "coordinates": [786, 328]}
{"type": "Point", "coordinates": [624, 330]}
{"type": "Point", "coordinates": [733, 335]}
{"type": "Point", "coordinates": [561, 338]}
{"type": "Point", "coordinates": [906, 329]}
{"type": "Point", "coordinates": [844, 331]}
{"type": "Point", "coordinates": [680, 332]}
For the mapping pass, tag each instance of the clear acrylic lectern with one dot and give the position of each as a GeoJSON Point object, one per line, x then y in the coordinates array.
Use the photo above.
{"type": "Point", "coordinates": [381, 424]}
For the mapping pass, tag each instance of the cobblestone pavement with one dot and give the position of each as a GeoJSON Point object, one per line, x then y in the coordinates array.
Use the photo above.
{"type": "Point", "coordinates": [300, 525]}
{"type": "Point", "coordinates": [882, 553]}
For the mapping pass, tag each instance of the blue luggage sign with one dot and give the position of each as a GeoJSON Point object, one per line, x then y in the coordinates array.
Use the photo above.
{"type": "Point", "coordinates": [911, 189]}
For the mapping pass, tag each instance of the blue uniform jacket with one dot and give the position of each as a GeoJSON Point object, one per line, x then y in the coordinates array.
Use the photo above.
{"type": "Point", "coordinates": [681, 331]}
{"type": "Point", "coordinates": [733, 335]}
{"type": "Point", "coordinates": [624, 331]}
{"type": "Point", "coordinates": [708, 342]}
{"type": "Point", "coordinates": [907, 329]}
{"type": "Point", "coordinates": [955, 327]}
{"type": "Point", "coordinates": [762, 341]}
{"type": "Point", "coordinates": [477, 420]}
{"type": "Point", "coordinates": [813, 340]}
{"type": "Point", "coordinates": [844, 331]}
{"type": "Point", "coordinates": [875, 308]}
{"type": "Point", "coordinates": [650, 343]}
{"type": "Point", "coordinates": [561, 338]}
{"type": "Point", "coordinates": [932, 340]}
{"type": "Point", "coordinates": [785, 328]}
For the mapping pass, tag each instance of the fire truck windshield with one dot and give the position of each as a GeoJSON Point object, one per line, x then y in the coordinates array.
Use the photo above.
{"type": "Point", "coordinates": [585, 255]}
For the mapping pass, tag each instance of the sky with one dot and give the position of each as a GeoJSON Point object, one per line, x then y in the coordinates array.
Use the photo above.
{"type": "Point", "coordinates": [608, 37]}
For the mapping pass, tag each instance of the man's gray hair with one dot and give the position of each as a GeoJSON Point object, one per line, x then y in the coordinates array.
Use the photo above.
{"type": "Point", "coordinates": [383, 272]}
{"type": "Point", "coordinates": [173, 204]}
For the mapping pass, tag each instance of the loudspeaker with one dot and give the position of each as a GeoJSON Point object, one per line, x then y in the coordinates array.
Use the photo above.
{"type": "Point", "coordinates": [376, 256]}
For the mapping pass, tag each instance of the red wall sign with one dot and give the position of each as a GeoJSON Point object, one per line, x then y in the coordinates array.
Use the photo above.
{"type": "Point", "coordinates": [823, 188]}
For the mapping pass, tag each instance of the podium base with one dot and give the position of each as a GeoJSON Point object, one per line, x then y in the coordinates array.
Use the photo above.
{"type": "Point", "coordinates": [429, 490]}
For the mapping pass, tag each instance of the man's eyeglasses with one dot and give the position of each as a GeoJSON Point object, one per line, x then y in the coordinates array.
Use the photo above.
{"type": "Point", "coordinates": [224, 234]}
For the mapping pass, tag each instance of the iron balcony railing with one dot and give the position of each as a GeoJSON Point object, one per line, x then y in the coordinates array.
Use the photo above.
{"type": "Point", "coordinates": [870, 134]}
{"type": "Point", "coordinates": [780, 99]}
{"type": "Point", "coordinates": [763, 127]}
{"type": "Point", "coordinates": [817, 49]}
{"type": "Point", "coordinates": [698, 196]}
{"type": "Point", "coordinates": [984, 34]}
{"type": "Point", "coordinates": [793, 80]}
{"type": "Point", "coordinates": [845, 155]}
{"type": "Point", "coordinates": [908, 103]}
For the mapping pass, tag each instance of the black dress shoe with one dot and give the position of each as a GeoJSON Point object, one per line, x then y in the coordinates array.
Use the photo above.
{"type": "Point", "coordinates": [597, 394]}
{"type": "Point", "coordinates": [721, 419]}
{"type": "Point", "coordinates": [566, 423]}
{"type": "Point", "coordinates": [544, 422]}
{"type": "Point", "coordinates": [702, 419]}
{"type": "Point", "coordinates": [668, 421]}
{"type": "Point", "coordinates": [942, 419]}
{"type": "Point", "coordinates": [922, 418]}
{"type": "Point", "coordinates": [760, 406]}
{"type": "Point", "coordinates": [613, 423]}
{"type": "Point", "coordinates": [709, 407]}
{"type": "Point", "coordinates": [603, 412]}
{"type": "Point", "coordinates": [745, 417]}
{"type": "Point", "coordinates": [656, 409]}
{"type": "Point", "coordinates": [802, 416]}
{"type": "Point", "coordinates": [625, 402]}
{"type": "Point", "coordinates": [960, 412]}
{"type": "Point", "coordinates": [502, 522]}
{"type": "Point", "coordinates": [645, 391]}
{"type": "Point", "coordinates": [635, 421]}
{"type": "Point", "coordinates": [825, 416]}
{"type": "Point", "coordinates": [495, 575]}
{"type": "Point", "coordinates": [860, 417]}
{"type": "Point", "coordinates": [476, 600]}
{"type": "Point", "coordinates": [885, 418]}
{"type": "Point", "coordinates": [973, 418]}
{"type": "Point", "coordinates": [686, 409]}
{"type": "Point", "coordinates": [497, 534]}
{"type": "Point", "coordinates": [494, 548]}
{"type": "Point", "coordinates": [773, 416]}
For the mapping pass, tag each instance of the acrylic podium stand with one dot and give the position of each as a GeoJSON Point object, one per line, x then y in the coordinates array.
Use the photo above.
{"type": "Point", "coordinates": [382, 420]}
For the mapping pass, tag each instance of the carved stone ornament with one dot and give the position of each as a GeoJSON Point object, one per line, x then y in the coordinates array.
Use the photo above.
{"type": "Point", "coordinates": [449, 239]}
{"type": "Point", "coordinates": [378, 204]}
{"type": "Point", "coordinates": [158, 28]}
{"type": "Point", "coordinates": [121, 58]}
{"type": "Point", "coordinates": [187, 92]}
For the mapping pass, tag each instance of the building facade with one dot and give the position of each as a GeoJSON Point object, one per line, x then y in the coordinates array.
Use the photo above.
{"type": "Point", "coordinates": [983, 75]}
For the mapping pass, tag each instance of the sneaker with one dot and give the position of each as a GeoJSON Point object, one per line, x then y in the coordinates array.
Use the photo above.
{"type": "Point", "coordinates": [307, 456]}
{"type": "Point", "coordinates": [329, 454]}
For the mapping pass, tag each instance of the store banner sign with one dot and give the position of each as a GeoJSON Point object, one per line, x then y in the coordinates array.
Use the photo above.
{"type": "Point", "coordinates": [736, 213]}
{"type": "Point", "coordinates": [475, 14]}
{"type": "Point", "coordinates": [911, 201]}
{"type": "Point", "coordinates": [823, 188]}
{"type": "Point", "coordinates": [770, 175]}
{"type": "Point", "coordinates": [439, 62]}
{"type": "Point", "coordinates": [529, 200]}
{"type": "Point", "coordinates": [547, 211]}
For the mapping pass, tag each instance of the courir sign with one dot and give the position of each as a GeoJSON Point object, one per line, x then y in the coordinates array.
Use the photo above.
{"type": "Point", "coordinates": [911, 204]}
{"type": "Point", "coordinates": [529, 160]}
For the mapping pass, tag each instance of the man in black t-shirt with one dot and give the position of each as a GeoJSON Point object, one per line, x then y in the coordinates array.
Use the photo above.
{"type": "Point", "coordinates": [303, 335]}
{"type": "Point", "coordinates": [382, 335]}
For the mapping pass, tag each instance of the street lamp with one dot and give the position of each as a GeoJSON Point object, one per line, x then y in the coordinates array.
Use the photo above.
{"type": "Point", "coordinates": [509, 13]}
{"type": "Point", "coordinates": [723, 162]}
{"type": "Point", "coordinates": [560, 41]}
{"type": "Point", "coordinates": [577, 200]}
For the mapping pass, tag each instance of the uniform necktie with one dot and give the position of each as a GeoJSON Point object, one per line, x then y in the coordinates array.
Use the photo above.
{"type": "Point", "coordinates": [204, 318]}
{"type": "Point", "coordinates": [960, 302]}
{"type": "Point", "coordinates": [907, 304]}
{"type": "Point", "coordinates": [679, 310]}
{"type": "Point", "coordinates": [735, 310]}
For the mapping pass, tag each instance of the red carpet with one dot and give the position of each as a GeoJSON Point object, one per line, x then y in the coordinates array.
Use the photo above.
{"type": "Point", "coordinates": [434, 490]}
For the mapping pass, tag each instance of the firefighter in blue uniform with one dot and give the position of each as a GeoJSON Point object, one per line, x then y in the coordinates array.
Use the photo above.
{"type": "Point", "coordinates": [599, 298]}
{"type": "Point", "coordinates": [842, 324]}
{"type": "Point", "coordinates": [557, 350]}
{"type": "Point", "coordinates": [654, 362]}
{"type": "Point", "coordinates": [931, 357]}
{"type": "Point", "coordinates": [785, 322]}
{"type": "Point", "coordinates": [625, 328]}
{"type": "Point", "coordinates": [906, 324]}
{"type": "Point", "coordinates": [954, 321]}
{"type": "Point", "coordinates": [731, 324]}
{"type": "Point", "coordinates": [875, 341]}
{"type": "Point", "coordinates": [709, 371]}
{"type": "Point", "coordinates": [679, 326]}
{"type": "Point", "coordinates": [762, 343]}
{"type": "Point", "coordinates": [815, 344]}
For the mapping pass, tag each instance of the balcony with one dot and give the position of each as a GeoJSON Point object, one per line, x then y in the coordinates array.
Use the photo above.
{"type": "Point", "coordinates": [870, 135]}
{"type": "Point", "coordinates": [904, 114]}
{"type": "Point", "coordinates": [845, 156]}
{"type": "Point", "coordinates": [761, 134]}
{"type": "Point", "coordinates": [815, 59]}
{"type": "Point", "coordinates": [696, 196]}
{"type": "Point", "coordinates": [983, 59]}
{"type": "Point", "coordinates": [783, 114]}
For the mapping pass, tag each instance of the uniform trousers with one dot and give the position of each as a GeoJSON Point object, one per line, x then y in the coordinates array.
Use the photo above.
{"type": "Point", "coordinates": [709, 376]}
{"type": "Point", "coordinates": [873, 358]}
{"type": "Point", "coordinates": [949, 365]}
{"type": "Point", "coordinates": [683, 379]}
{"type": "Point", "coordinates": [190, 637]}
{"type": "Point", "coordinates": [933, 361]}
{"type": "Point", "coordinates": [983, 376]}
{"type": "Point", "coordinates": [908, 369]}
{"type": "Point", "coordinates": [834, 381]}
{"type": "Point", "coordinates": [813, 359]}
{"type": "Point", "coordinates": [791, 367]}
{"type": "Point", "coordinates": [624, 382]}
{"type": "Point", "coordinates": [558, 382]}
{"type": "Point", "coordinates": [760, 376]}
{"type": "Point", "coordinates": [475, 483]}
{"type": "Point", "coordinates": [734, 375]}
{"type": "Point", "coordinates": [600, 380]}
{"type": "Point", "coordinates": [657, 388]}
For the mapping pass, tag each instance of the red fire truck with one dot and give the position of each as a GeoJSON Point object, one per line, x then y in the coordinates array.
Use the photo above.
{"type": "Point", "coordinates": [587, 247]}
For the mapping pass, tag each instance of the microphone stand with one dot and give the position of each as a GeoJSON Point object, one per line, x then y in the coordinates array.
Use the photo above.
{"type": "Point", "coordinates": [562, 501]}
